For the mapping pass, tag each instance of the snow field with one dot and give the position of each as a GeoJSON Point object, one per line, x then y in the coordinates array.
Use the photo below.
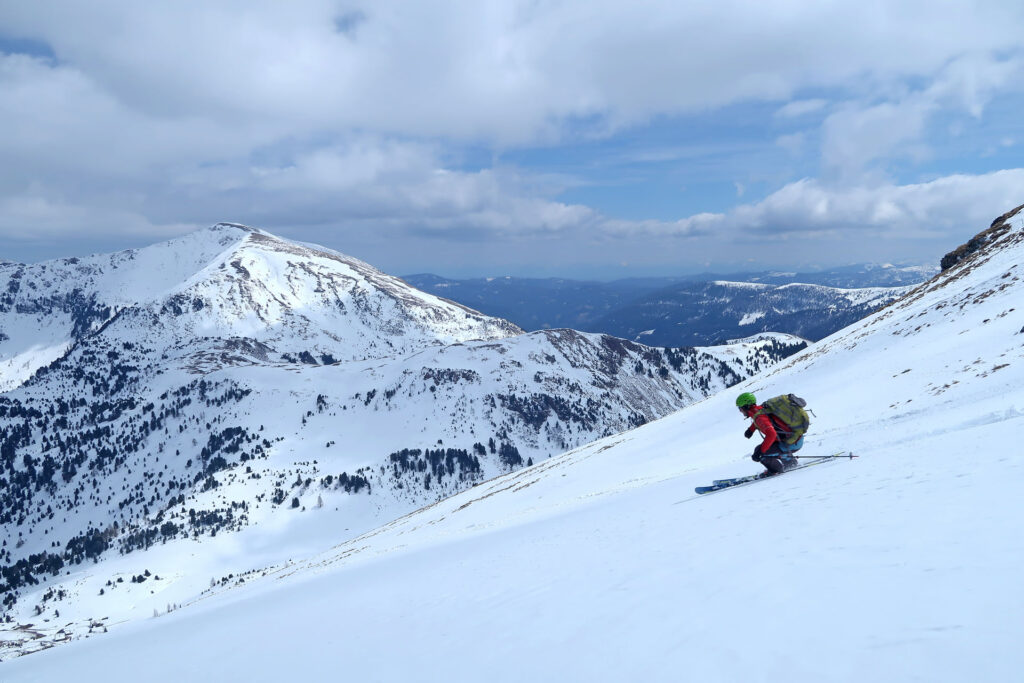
{"type": "Point", "coordinates": [602, 564]}
{"type": "Point", "coordinates": [845, 570]}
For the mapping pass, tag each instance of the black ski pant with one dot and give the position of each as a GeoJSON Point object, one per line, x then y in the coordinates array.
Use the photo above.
{"type": "Point", "coordinates": [773, 461]}
{"type": "Point", "coordinates": [773, 464]}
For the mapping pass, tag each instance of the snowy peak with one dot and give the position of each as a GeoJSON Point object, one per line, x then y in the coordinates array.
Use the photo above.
{"type": "Point", "coordinates": [224, 225]}
{"type": "Point", "coordinates": [278, 292]}
{"type": "Point", "coordinates": [227, 282]}
{"type": "Point", "coordinates": [124, 277]}
{"type": "Point", "coordinates": [45, 308]}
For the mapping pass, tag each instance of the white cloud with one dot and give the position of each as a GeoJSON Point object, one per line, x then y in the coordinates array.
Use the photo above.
{"type": "Point", "coordinates": [861, 132]}
{"type": "Point", "coordinates": [157, 116]}
{"type": "Point", "coordinates": [509, 72]}
{"type": "Point", "coordinates": [971, 80]}
{"type": "Point", "coordinates": [949, 208]}
{"type": "Point", "coordinates": [798, 108]}
{"type": "Point", "coordinates": [856, 135]}
{"type": "Point", "coordinates": [793, 143]}
{"type": "Point", "coordinates": [57, 120]}
{"type": "Point", "coordinates": [34, 217]}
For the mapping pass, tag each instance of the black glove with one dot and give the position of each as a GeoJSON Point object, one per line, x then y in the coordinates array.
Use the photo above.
{"type": "Point", "coordinates": [750, 431]}
{"type": "Point", "coordinates": [756, 457]}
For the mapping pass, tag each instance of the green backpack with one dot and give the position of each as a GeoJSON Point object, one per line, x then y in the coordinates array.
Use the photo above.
{"type": "Point", "coordinates": [790, 409]}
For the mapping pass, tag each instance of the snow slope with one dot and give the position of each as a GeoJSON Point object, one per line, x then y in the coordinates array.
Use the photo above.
{"type": "Point", "coordinates": [348, 437]}
{"type": "Point", "coordinates": [273, 380]}
{"type": "Point", "coordinates": [602, 564]}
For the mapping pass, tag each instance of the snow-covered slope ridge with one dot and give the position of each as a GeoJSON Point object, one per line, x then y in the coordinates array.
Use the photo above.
{"type": "Point", "coordinates": [274, 291]}
{"type": "Point", "coordinates": [227, 282]}
{"type": "Point", "coordinates": [603, 565]}
{"type": "Point", "coordinates": [165, 433]}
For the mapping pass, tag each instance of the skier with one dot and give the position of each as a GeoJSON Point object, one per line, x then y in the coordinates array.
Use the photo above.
{"type": "Point", "coordinates": [773, 452]}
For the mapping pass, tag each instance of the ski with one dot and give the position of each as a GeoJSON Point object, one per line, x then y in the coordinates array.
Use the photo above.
{"type": "Point", "coordinates": [733, 481]}
{"type": "Point", "coordinates": [720, 484]}
{"type": "Point", "coordinates": [811, 459]}
{"type": "Point", "coordinates": [728, 483]}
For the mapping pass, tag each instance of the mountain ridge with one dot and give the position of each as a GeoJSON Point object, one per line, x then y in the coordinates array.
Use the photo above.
{"type": "Point", "coordinates": [617, 307]}
{"type": "Point", "coordinates": [209, 272]}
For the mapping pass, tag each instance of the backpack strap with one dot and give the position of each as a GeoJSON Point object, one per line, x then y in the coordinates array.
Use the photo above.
{"type": "Point", "coordinates": [778, 423]}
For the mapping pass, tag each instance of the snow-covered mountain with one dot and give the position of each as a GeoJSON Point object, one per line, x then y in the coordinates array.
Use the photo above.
{"type": "Point", "coordinates": [613, 307]}
{"type": "Point", "coordinates": [220, 285]}
{"type": "Point", "coordinates": [716, 311]}
{"type": "Point", "coordinates": [253, 377]}
{"type": "Point", "coordinates": [602, 564]}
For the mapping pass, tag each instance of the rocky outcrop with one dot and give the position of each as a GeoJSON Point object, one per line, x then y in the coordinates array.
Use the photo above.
{"type": "Point", "coordinates": [998, 227]}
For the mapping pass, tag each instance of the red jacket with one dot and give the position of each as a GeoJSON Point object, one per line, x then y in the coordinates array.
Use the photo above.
{"type": "Point", "coordinates": [769, 426]}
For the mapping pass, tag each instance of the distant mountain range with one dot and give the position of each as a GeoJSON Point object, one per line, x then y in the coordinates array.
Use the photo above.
{"type": "Point", "coordinates": [697, 309]}
{"type": "Point", "coordinates": [716, 312]}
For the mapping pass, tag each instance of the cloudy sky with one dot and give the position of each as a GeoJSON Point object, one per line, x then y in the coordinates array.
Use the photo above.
{"type": "Point", "coordinates": [572, 138]}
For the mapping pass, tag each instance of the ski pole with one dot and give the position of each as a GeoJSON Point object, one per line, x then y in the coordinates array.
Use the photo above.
{"type": "Point", "coordinates": [825, 457]}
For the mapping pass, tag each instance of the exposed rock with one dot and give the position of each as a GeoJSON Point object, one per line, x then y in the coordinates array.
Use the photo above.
{"type": "Point", "coordinates": [998, 227]}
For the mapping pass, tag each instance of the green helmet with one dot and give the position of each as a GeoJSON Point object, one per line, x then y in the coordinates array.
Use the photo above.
{"type": "Point", "coordinates": [745, 399]}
